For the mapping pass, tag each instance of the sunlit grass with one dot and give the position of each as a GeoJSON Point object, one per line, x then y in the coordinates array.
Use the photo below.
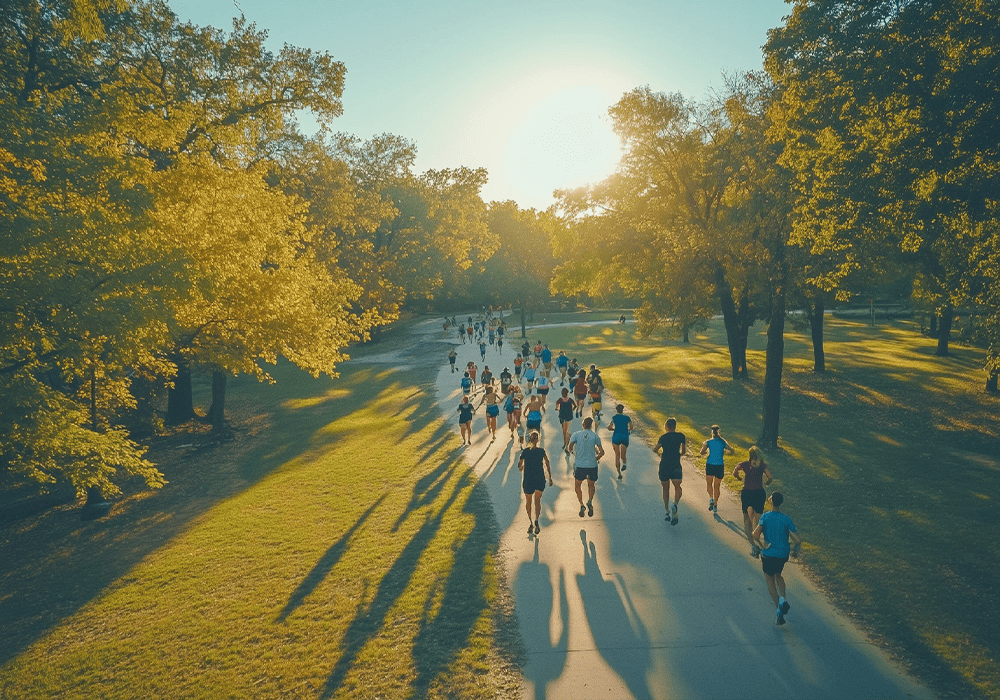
{"type": "Point", "coordinates": [359, 561]}
{"type": "Point", "coordinates": [888, 461]}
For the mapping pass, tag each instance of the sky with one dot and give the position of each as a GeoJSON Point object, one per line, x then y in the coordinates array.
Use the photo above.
{"type": "Point", "coordinates": [519, 88]}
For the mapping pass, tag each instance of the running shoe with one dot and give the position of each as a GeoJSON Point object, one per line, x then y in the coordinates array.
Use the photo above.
{"type": "Point", "coordinates": [673, 513]}
{"type": "Point", "coordinates": [583, 509]}
{"type": "Point", "coordinates": [619, 476]}
{"type": "Point", "coordinates": [624, 465]}
{"type": "Point", "coordinates": [715, 509]}
{"type": "Point", "coordinates": [531, 529]}
{"type": "Point", "coordinates": [780, 619]}
{"type": "Point", "coordinates": [667, 516]}
{"type": "Point", "coordinates": [590, 508]}
{"type": "Point", "coordinates": [754, 551]}
{"type": "Point", "coordinates": [785, 607]}
{"type": "Point", "coordinates": [536, 527]}
{"type": "Point", "coordinates": [711, 504]}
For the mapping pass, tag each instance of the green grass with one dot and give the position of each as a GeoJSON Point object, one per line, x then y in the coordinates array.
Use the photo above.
{"type": "Point", "coordinates": [339, 548]}
{"type": "Point", "coordinates": [889, 464]}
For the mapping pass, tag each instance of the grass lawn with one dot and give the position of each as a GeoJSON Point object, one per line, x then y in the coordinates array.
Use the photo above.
{"type": "Point", "coordinates": [890, 466]}
{"type": "Point", "coordinates": [337, 547]}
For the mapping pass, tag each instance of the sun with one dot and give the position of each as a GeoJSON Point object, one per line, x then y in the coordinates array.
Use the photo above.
{"type": "Point", "coordinates": [554, 132]}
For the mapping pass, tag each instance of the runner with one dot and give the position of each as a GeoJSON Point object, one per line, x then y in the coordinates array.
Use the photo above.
{"type": "Point", "coordinates": [518, 365]}
{"type": "Point", "coordinates": [452, 356]}
{"type": "Point", "coordinates": [487, 378]}
{"type": "Point", "coordinates": [525, 350]}
{"type": "Point", "coordinates": [595, 385]}
{"type": "Point", "coordinates": [586, 445]}
{"type": "Point", "coordinates": [461, 334]}
{"type": "Point", "coordinates": [467, 384]}
{"type": "Point", "coordinates": [538, 351]}
{"type": "Point", "coordinates": [492, 410]}
{"type": "Point", "coordinates": [469, 330]}
{"type": "Point", "coordinates": [492, 336]}
{"type": "Point", "coordinates": [472, 370]}
{"type": "Point", "coordinates": [505, 381]}
{"type": "Point", "coordinates": [621, 427]}
{"type": "Point", "coordinates": [542, 383]}
{"type": "Point", "coordinates": [482, 349]}
{"type": "Point", "coordinates": [533, 414]}
{"type": "Point", "coordinates": [562, 362]}
{"type": "Point", "coordinates": [500, 344]}
{"type": "Point", "coordinates": [465, 411]}
{"type": "Point", "coordinates": [530, 464]}
{"type": "Point", "coordinates": [672, 445]}
{"type": "Point", "coordinates": [573, 370]}
{"type": "Point", "coordinates": [716, 446]}
{"type": "Point", "coordinates": [529, 378]}
{"type": "Point", "coordinates": [580, 392]}
{"type": "Point", "coordinates": [547, 358]}
{"type": "Point", "coordinates": [565, 406]}
{"type": "Point", "coordinates": [776, 529]}
{"type": "Point", "coordinates": [513, 409]}
{"type": "Point", "coordinates": [755, 477]}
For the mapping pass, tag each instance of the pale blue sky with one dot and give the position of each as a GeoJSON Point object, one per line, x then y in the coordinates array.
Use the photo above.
{"type": "Point", "coordinates": [520, 88]}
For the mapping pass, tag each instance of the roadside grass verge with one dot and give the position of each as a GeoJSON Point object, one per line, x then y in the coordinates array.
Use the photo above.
{"type": "Point", "coordinates": [889, 463]}
{"type": "Point", "coordinates": [346, 553]}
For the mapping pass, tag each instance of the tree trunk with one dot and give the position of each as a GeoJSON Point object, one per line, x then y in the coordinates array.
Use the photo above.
{"type": "Point", "coordinates": [217, 411]}
{"type": "Point", "coordinates": [96, 506]}
{"type": "Point", "coordinates": [944, 331]}
{"type": "Point", "coordinates": [685, 332]}
{"type": "Point", "coordinates": [774, 365]}
{"type": "Point", "coordinates": [816, 326]}
{"type": "Point", "coordinates": [180, 397]}
{"type": "Point", "coordinates": [934, 326]}
{"type": "Point", "coordinates": [991, 383]}
{"type": "Point", "coordinates": [736, 335]}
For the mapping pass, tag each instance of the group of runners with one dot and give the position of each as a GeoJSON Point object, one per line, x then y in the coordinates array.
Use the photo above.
{"type": "Point", "coordinates": [523, 396]}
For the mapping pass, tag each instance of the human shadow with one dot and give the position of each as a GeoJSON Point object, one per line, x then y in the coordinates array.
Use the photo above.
{"type": "Point", "coordinates": [325, 564]}
{"type": "Point", "coordinates": [547, 659]}
{"type": "Point", "coordinates": [619, 634]}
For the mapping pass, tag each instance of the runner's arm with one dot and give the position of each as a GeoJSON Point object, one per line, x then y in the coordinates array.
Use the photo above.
{"type": "Point", "coordinates": [704, 447]}
{"type": "Point", "coordinates": [767, 477]}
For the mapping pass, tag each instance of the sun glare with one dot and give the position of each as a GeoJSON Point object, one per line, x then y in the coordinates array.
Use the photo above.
{"type": "Point", "coordinates": [555, 133]}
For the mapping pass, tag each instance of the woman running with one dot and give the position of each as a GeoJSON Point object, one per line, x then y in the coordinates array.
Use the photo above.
{"type": "Point", "coordinates": [580, 392]}
{"type": "Point", "coordinates": [534, 465]}
{"type": "Point", "coordinates": [620, 427]}
{"type": "Point", "coordinates": [514, 415]}
{"type": "Point", "coordinates": [565, 406]}
{"type": "Point", "coordinates": [542, 383]}
{"type": "Point", "coordinates": [716, 446]}
{"type": "Point", "coordinates": [533, 414]}
{"type": "Point", "coordinates": [753, 495]}
{"type": "Point", "coordinates": [465, 411]}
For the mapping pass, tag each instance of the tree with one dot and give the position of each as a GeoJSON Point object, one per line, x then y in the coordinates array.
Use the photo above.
{"type": "Point", "coordinates": [889, 115]}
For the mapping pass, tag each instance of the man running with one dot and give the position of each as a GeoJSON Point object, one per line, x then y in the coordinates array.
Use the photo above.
{"type": "Point", "coordinates": [518, 364]}
{"type": "Point", "coordinates": [755, 477]}
{"type": "Point", "coordinates": [467, 384]}
{"type": "Point", "coordinates": [562, 363]}
{"type": "Point", "coordinates": [716, 446]}
{"type": "Point", "coordinates": [452, 356]}
{"type": "Point", "coordinates": [776, 528]}
{"type": "Point", "coordinates": [671, 446]}
{"type": "Point", "coordinates": [465, 411]}
{"type": "Point", "coordinates": [586, 445]}
{"type": "Point", "coordinates": [620, 427]}
{"type": "Point", "coordinates": [542, 383]}
{"type": "Point", "coordinates": [482, 349]}
{"type": "Point", "coordinates": [525, 350]}
{"type": "Point", "coordinates": [487, 377]}
{"type": "Point", "coordinates": [505, 381]}
{"type": "Point", "coordinates": [529, 378]}
{"type": "Point", "coordinates": [530, 464]}
{"type": "Point", "coordinates": [547, 358]}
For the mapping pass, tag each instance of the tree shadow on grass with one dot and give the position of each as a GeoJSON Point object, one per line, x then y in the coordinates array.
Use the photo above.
{"type": "Point", "coordinates": [54, 564]}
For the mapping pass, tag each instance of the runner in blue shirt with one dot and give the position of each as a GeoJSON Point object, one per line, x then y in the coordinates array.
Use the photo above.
{"type": "Point", "coordinates": [716, 446]}
{"type": "Point", "coordinates": [620, 427]}
{"type": "Point", "coordinates": [562, 362]}
{"type": "Point", "coordinates": [775, 529]}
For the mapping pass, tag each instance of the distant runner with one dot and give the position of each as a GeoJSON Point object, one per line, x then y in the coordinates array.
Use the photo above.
{"type": "Point", "coordinates": [562, 362]}
{"type": "Point", "coordinates": [565, 406]}
{"type": "Point", "coordinates": [492, 410]}
{"type": "Point", "coordinates": [671, 446]}
{"type": "Point", "coordinates": [621, 427]}
{"type": "Point", "coordinates": [452, 356]}
{"type": "Point", "coordinates": [755, 477]}
{"type": "Point", "coordinates": [465, 411]}
{"type": "Point", "coordinates": [580, 392]}
{"type": "Point", "coordinates": [716, 447]}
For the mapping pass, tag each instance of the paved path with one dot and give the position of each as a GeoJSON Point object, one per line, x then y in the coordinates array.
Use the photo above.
{"type": "Point", "coordinates": [624, 605]}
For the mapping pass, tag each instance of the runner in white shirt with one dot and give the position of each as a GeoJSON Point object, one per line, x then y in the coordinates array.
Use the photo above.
{"type": "Point", "coordinates": [586, 445]}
